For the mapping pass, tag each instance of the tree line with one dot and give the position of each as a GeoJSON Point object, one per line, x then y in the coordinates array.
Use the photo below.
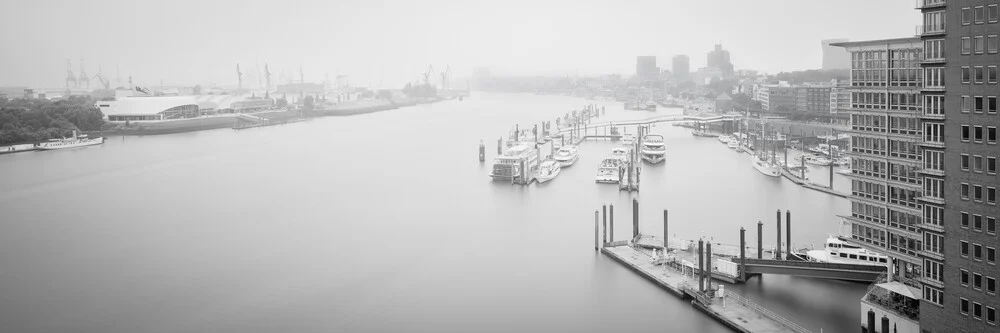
{"type": "Point", "coordinates": [34, 120]}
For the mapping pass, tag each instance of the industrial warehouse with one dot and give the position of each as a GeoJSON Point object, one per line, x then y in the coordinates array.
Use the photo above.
{"type": "Point", "coordinates": [158, 108]}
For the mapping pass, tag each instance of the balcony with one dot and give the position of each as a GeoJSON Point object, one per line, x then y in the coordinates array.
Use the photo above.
{"type": "Point", "coordinates": [932, 116]}
{"type": "Point", "coordinates": [926, 4]}
{"type": "Point", "coordinates": [930, 171]}
{"type": "Point", "coordinates": [933, 142]}
{"type": "Point", "coordinates": [930, 30]}
{"type": "Point", "coordinates": [930, 199]}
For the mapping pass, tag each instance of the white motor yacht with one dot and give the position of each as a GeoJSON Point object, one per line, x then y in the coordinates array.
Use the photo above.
{"type": "Point", "coordinates": [71, 142]}
{"type": "Point", "coordinates": [567, 155]}
{"type": "Point", "coordinates": [765, 167]}
{"type": "Point", "coordinates": [512, 164]}
{"type": "Point", "coordinates": [653, 150]}
{"type": "Point", "coordinates": [818, 160]}
{"type": "Point", "coordinates": [725, 138]}
{"type": "Point", "coordinates": [609, 170]}
{"type": "Point", "coordinates": [840, 252]}
{"type": "Point", "coordinates": [548, 171]}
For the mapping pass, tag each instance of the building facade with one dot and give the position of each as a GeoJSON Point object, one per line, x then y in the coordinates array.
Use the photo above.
{"type": "Point", "coordinates": [681, 67]}
{"type": "Point", "coordinates": [888, 173]}
{"type": "Point", "coordinates": [719, 59]}
{"type": "Point", "coordinates": [960, 72]}
{"type": "Point", "coordinates": [645, 68]}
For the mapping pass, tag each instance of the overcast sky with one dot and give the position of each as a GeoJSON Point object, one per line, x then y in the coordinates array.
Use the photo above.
{"type": "Point", "coordinates": [200, 42]}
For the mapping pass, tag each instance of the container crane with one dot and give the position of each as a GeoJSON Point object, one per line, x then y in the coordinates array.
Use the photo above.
{"type": "Point", "coordinates": [427, 74]}
{"type": "Point", "coordinates": [444, 78]}
{"type": "Point", "coordinates": [84, 79]}
{"type": "Point", "coordinates": [70, 78]}
{"type": "Point", "coordinates": [104, 81]}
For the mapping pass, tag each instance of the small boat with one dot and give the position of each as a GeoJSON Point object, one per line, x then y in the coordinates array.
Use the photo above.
{"type": "Point", "coordinates": [508, 166]}
{"type": "Point", "coordinates": [844, 161]}
{"type": "Point", "coordinates": [733, 143]}
{"type": "Point", "coordinates": [567, 155]}
{"type": "Point", "coordinates": [824, 149]}
{"type": "Point", "coordinates": [704, 133]}
{"type": "Point", "coordinates": [609, 169]}
{"type": "Point", "coordinates": [765, 167]}
{"type": "Point", "coordinates": [71, 142]}
{"type": "Point", "coordinates": [725, 138]}
{"type": "Point", "coordinates": [628, 139]}
{"type": "Point", "coordinates": [548, 171]}
{"type": "Point", "coordinates": [653, 150]}
{"type": "Point", "coordinates": [621, 153]}
{"type": "Point", "coordinates": [817, 160]}
{"type": "Point", "coordinates": [840, 252]}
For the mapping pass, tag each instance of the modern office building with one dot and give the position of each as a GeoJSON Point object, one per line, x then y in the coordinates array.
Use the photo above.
{"type": "Point", "coordinates": [960, 106]}
{"type": "Point", "coordinates": [645, 68]}
{"type": "Point", "coordinates": [719, 59]}
{"type": "Point", "coordinates": [890, 176]}
{"type": "Point", "coordinates": [681, 67]}
{"type": "Point", "coordinates": [835, 57]}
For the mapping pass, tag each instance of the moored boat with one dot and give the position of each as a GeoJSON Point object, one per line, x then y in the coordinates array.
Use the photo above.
{"type": "Point", "coordinates": [609, 169]}
{"type": "Point", "coordinates": [653, 150]}
{"type": "Point", "coordinates": [840, 252]}
{"type": "Point", "coordinates": [548, 171]}
{"type": "Point", "coordinates": [765, 167]}
{"type": "Point", "coordinates": [71, 142]}
{"type": "Point", "coordinates": [567, 155]}
{"type": "Point", "coordinates": [817, 160]}
{"type": "Point", "coordinates": [514, 162]}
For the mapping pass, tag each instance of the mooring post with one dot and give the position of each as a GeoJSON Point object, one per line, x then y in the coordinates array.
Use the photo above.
{"type": "Point", "coordinates": [605, 222]}
{"type": "Point", "coordinates": [760, 240]}
{"type": "Point", "coordinates": [666, 235]}
{"type": "Point", "coordinates": [611, 220]}
{"type": "Point", "coordinates": [708, 266]}
{"type": "Point", "coordinates": [701, 265]}
{"type": "Point", "coordinates": [743, 254]}
{"type": "Point", "coordinates": [777, 249]}
{"type": "Point", "coordinates": [597, 231]}
{"type": "Point", "coordinates": [788, 233]}
{"type": "Point", "coordinates": [635, 218]}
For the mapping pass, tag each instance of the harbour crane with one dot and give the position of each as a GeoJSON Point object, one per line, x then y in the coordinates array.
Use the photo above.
{"type": "Point", "coordinates": [444, 78]}
{"type": "Point", "coordinates": [104, 81]}
{"type": "Point", "coordinates": [427, 74]}
{"type": "Point", "coordinates": [267, 77]}
{"type": "Point", "coordinates": [239, 76]}
{"type": "Point", "coordinates": [84, 79]}
{"type": "Point", "coordinates": [70, 78]}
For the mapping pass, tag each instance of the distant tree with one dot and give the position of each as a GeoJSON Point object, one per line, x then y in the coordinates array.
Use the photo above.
{"type": "Point", "coordinates": [385, 94]}
{"type": "Point", "coordinates": [197, 89]}
{"type": "Point", "coordinates": [308, 103]}
{"type": "Point", "coordinates": [281, 102]}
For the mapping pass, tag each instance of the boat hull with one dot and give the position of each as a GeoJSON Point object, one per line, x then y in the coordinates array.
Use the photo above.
{"type": "Point", "coordinates": [653, 158]}
{"type": "Point", "coordinates": [545, 178]}
{"type": "Point", "coordinates": [73, 145]}
{"type": "Point", "coordinates": [766, 169]}
{"type": "Point", "coordinates": [568, 161]}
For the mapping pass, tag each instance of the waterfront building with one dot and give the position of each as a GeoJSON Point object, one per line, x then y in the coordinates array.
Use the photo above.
{"type": "Point", "coordinates": [719, 59]}
{"type": "Point", "coordinates": [895, 196]}
{"type": "Point", "coordinates": [834, 57]}
{"type": "Point", "coordinates": [157, 108]}
{"type": "Point", "coordinates": [645, 68]}
{"type": "Point", "coordinates": [960, 61]}
{"type": "Point", "coordinates": [681, 67]}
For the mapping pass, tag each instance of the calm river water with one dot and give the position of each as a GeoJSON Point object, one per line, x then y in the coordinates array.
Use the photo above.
{"type": "Point", "coordinates": [376, 223]}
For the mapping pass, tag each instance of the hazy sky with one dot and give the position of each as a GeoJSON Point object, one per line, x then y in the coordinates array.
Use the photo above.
{"type": "Point", "coordinates": [189, 42]}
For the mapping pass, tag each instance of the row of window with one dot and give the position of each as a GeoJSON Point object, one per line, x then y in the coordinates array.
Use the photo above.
{"type": "Point", "coordinates": [978, 134]}
{"type": "Point", "coordinates": [976, 222]}
{"type": "Point", "coordinates": [977, 311]}
{"type": "Point", "coordinates": [933, 243]}
{"type": "Point", "coordinates": [979, 164]}
{"type": "Point", "coordinates": [978, 104]}
{"type": "Point", "coordinates": [905, 245]}
{"type": "Point", "coordinates": [978, 281]}
{"type": "Point", "coordinates": [868, 234]}
{"type": "Point", "coordinates": [979, 14]}
{"type": "Point", "coordinates": [979, 74]}
{"type": "Point", "coordinates": [977, 252]}
{"type": "Point", "coordinates": [977, 193]}
{"type": "Point", "coordinates": [933, 295]}
{"type": "Point", "coordinates": [868, 212]}
{"type": "Point", "coordinates": [979, 44]}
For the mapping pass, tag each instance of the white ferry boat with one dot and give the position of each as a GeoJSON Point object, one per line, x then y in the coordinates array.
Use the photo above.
{"type": "Point", "coordinates": [841, 252]}
{"type": "Point", "coordinates": [765, 167]}
{"type": "Point", "coordinates": [609, 170]}
{"type": "Point", "coordinates": [548, 171]}
{"type": "Point", "coordinates": [72, 142]}
{"type": "Point", "coordinates": [818, 160]}
{"type": "Point", "coordinates": [509, 165]}
{"type": "Point", "coordinates": [567, 155]}
{"type": "Point", "coordinates": [653, 150]}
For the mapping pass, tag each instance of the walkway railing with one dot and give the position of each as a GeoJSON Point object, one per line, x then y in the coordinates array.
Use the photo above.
{"type": "Point", "coordinates": [764, 311]}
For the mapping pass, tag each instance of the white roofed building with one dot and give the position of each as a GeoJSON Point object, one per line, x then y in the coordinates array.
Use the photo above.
{"type": "Point", "coordinates": [156, 108]}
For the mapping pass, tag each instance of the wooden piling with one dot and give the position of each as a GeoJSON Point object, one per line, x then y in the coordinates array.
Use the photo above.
{"type": "Point", "coordinates": [777, 249]}
{"type": "Point", "coordinates": [760, 240]}
{"type": "Point", "coordinates": [788, 233]}
{"type": "Point", "coordinates": [701, 265]}
{"type": "Point", "coordinates": [597, 231]}
{"type": "Point", "coordinates": [635, 218]}
{"type": "Point", "coordinates": [666, 234]}
{"type": "Point", "coordinates": [708, 266]}
{"type": "Point", "coordinates": [612, 220]}
{"type": "Point", "coordinates": [605, 219]}
{"type": "Point", "coordinates": [743, 255]}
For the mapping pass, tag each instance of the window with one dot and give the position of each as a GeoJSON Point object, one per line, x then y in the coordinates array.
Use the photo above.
{"type": "Point", "coordinates": [965, 248]}
{"type": "Point", "coordinates": [991, 74]}
{"type": "Point", "coordinates": [991, 43]}
{"type": "Point", "coordinates": [991, 104]}
{"type": "Point", "coordinates": [966, 133]}
{"type": "Point", "coordinates": [966, 45]}
{"type": "Point", "coordinates": [977, 252]}
{"type": "Point", "coordinates": [965, 162]}
{"type": "Point", "coordinates": [977, 134]}
{"type": "Point", "coordinates": [966, 16]}
{"type": "Point", "coordinates": [991, 313]}
{"type": "Point", "coordinates": [977, 281]}
{"type": "Point", "coordinates": [991, 165]}
{"type": "Point", "coordinates": [965, 306]}
{"type": "Point", "coordinates": [965, 278]}
{"type": "Point", "coordinates": [980, 44]}
{"type": "Point", "coordinates": [991, 285]}
{"type": "Point", "coordinates": [977, 222]}
{"type": "Point", "coordinates": [977, 103]}
{"type": "Point", "coordinates": [991, 225]}
{"type": "Point", "coordinates": [966, 74]}
{"type": "Point", "coordinates": [979, 74]}
{"type": "Point", "coordinates": [991, 195]}
{"type": "Point", "coordinates": [980, 14]}
{"type": "Point", "coordinates": [977, 310]}
{"type": "Point", "coordinates": [965, 220]}
{"type": "Point", "coordinates": [965, 191]}
{"type": "Point", "coordinates": [977, 192]}
{"type": "Point", "coordinates": [991, 255]}
{"type": "Point", "coordinates": [977, 164]}
{"type": "Point", "coordinates": [991, 13]}
{"type": "Point", "coordinates": [991, 135]}
{"type": "Point", "coordinates": [966, 104]}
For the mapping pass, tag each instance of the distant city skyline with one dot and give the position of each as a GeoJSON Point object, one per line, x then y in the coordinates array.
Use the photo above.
{"type": "Point", "coordinates": [186, 42]}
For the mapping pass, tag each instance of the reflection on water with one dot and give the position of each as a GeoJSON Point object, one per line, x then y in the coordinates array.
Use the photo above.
{"type": "Point", "coordinates": [378, 222]}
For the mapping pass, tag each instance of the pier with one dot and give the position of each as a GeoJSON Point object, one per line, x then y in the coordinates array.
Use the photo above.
{"type": "Point", "coordinates": [687, 269]}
